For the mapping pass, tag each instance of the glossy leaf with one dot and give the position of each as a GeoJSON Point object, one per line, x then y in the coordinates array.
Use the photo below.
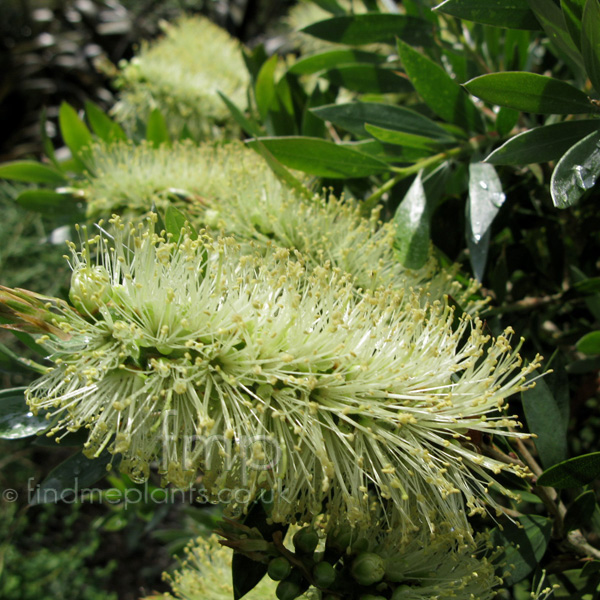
{"type": "Point", "coordinates": [553, 22]}
{"type": "Point", "coordinates": [440, 92]}
{"type": "Point", "coordinates": [530, 92]}
{"type": "Point", "coordinates": [16, 419]}
{"type": "Point", "coordinates": [485, 198]}
{"type": "Point", "coordinates": [478, 250]}
{"type": "Point", "coordinates": [334, 59]}
{"type": "Point", "coordinates": [573, 12]}
{"type": "Point", "coordinates": [372, 28]}
{"type": "Point", "coordinates": [589, 343]}
{"type": "Point", "coordinates": [542, 144]}
{"type": "Point", "coordinates": [545, 418]}
{"type": "Point", "coordinates": [353, 116]}
{"type": "Point", "coordinates": [74, 132]}
{"type": "Point", "coordinates": [102, 125]}
{"type": "Point", "coordinates": [368, 79]}
{"type": "Point", "coordinates": [512, 14]}
{"type": "Point", "coordinates": [265, 91]}
{"type": "Point", "coordinates": [47, 202]}
{"type": "Point", "coordinates": [412, 226]}
{"type": "Point", "coordinates": [576, 172]}
{"type": "Point", "coordinates": [525, 544]}
{"type": "Point", "coordinates": [71, 478]}
{"type": "Point", "coordinates": [31, 171]}
{"type": "Point", "coordinates": [401, 138]}
{"type": "Point", "coordinates": [506, 119]}
{"type": "Point", "coordinates": [321, 157]}
{"type": "Point", "coordinates": [572, 473]}
{"type": "Point", "coordinates": [157, 132]}
{"type": "Point", "coordinates": [590, 41]}
{"type": "Point", "coordinates": [245, 574]}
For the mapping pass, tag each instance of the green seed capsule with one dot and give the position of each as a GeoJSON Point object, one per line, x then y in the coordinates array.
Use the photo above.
{"type": "Point", "coordinates": [288, 590]}
{"type": "Point", "coordinates": [306, 540]}
{"type": "Point", "coordinates": [368, 568]}
{"type": "Point", "coordinates": [279, 568]}
{"type": "Point", "coordinates": [323, 574]}
{"type": "Point", "coordinates": [402, 592]}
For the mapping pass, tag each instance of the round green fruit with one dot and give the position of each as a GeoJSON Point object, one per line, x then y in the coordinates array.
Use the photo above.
{"type": "Point", "coordinates": [368, 568]}
{"type": "Point", "coordinates": [288, 590]}
{"type": "Point", "coordinates": [306, 540]}
{"type": "Point", "coordinates": [323, 574]}
{"type": "Point", "coordinates": [279, 568]}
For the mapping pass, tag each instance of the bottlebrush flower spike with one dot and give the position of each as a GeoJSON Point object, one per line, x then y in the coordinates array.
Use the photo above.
{"type": "Point", "coordinates": [259, 376]}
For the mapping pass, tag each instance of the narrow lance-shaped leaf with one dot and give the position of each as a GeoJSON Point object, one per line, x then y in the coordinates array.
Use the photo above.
{"type": "Point", "coordinates": [368, 79]}
{"type": "Point", "coordinates": [48, 202]}
{"type": "Point", "coordinates": [401, 138]}
{"type": "Point", "coordinates": [334, 58]}
{"type": "Point", "coordinates": [542, 144]}
{"type": "Point", "coordinates": [372, 28]}
{"type": "Point", "coordinates": [590, 41]}
{"type": "Point", "coordinates": [102, 125]}
{"type": "Point", "coordinates": [573, 12]}
{"type": "Point", "coordinates": [545, 419]}
{"type": "Point", "coordinates": [512, 14]}
{"type": "Point", "coordinates": [31, 171]}
{"type": "Point", "coordinates": [485, 198]}
{"type": "Point", "coordinates": [439, 91]}
{"type": "Point", "coordinates": [530, 92]}
{"type": "Point", "coordinates": [576, 172]}
{"type": "Point", "coordinates": [412, 226]}
{"type": "Point", "coordinates": [572, 473]}
{"type": "Point", "coordinates": [321, 157]}
{"type": "Point", "coordinates": [74, 132]}
{"type": "Point", "coordinates": [248, 125]}
{"type": "Point", "coordinates": [353, 116]}
{"type": "Point", "coordinates": [264, 91]}
{"type": "Point", "coordinates": [553, 21]}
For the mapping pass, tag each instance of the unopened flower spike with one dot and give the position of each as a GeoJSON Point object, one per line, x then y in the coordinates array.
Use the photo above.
{"type": "Point", "coordinates": [259, 377]}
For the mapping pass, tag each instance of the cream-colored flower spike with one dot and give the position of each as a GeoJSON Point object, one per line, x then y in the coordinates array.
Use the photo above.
{"type": "Point", "coordinates": [262, 377]}
{"type": "Point", "coordinates": [231, 189]}
{"type": "Point", "coordinates": [180, 75]}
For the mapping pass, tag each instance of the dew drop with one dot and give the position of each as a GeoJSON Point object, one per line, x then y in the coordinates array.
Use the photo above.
{"type": "Point", "coordinates": [584, 178]}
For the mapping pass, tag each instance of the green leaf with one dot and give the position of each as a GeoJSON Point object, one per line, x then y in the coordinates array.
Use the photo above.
{"type": "Point", "coordinates": [513, 14]}
{"type": "Point", "coordinates": [73, 476]}
{"type": "Point", "coordinates": [581, 511]}
{"type": "Point", "coordinates": [330, 6]}
{"type": "Point", "coordinates": [524, 544]}
{"type": "Point", "coordinates": [573, 13]}
{"type": "Point", "coordinates": [157, 132]}
{"type": "Point", "coordinates": [485, 198]}
{"type": "Point", "coordinates": [321, 157]}
{"type": "Point", "coordinates": [368, 79]}
{"type": "Point", "coordinates": [249, 126]}
{"type": "Point", "coordinates": [542, 144]}
{"type": "Point", "coordinates": [572, 473]}
{"type": "Point", "coordinates": [102, 125]}
{"type": "Point", "coordinates": [175, 221]}
{"type": "Point", "coordinates": [545, 418]}
{"type": "Point", "coordinates": [589, 343]}
{"type": "Point", "coordinates": [412, 226]}
{"type": "Point", "coordinates": [372, 28]}
{"type": "Point", "coordinates": [553, 21]}
{"type": "Point", "coordinates": [334, 59]}
{"type": "Point", "coordinates": [46, 141]}
{"type": "Point", "coordinates": [576, 172]}
{"type": "Point", "coordinates": [31, 171]}
{"type": "Point", "coordinates": [353, 116]}
{"type": "Point", "coordinates": [48, 202]}
{"type": "Point", "coordinates": [16, 419]}
{"type": "Point", "coordinates": [440, 92]}
{"type": "Point", "coordinates": [530, 92]}
{"type": "Point", "coordinates": [74, 132]}
{"type": "Point", "coordinates": [401, 138]}
{"type": "Point", "coordinates": [506, 119]}
{"type": "Point", "coordinates": [590, 285]}
{"type": "Point", "coordinates": [246, 574]}
{"type": "Point", "coordinates": [265, 91]}
{"type": "Point", "coordinates": [590, 41]}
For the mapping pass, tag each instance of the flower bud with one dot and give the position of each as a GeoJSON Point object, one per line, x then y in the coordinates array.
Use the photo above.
{"type": "Point", "coordinates": [89, 288]}
{"type": "Point", "coordinates": [279, 568]}
{"type": "Point", "coordinates": [323, 574]}
{"type": "Point", "coordinates": [306, 540]}
{"type": "Point", "coordinates": [402, 592]}
{"type": "Point", "coordinates": [368, 568]}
